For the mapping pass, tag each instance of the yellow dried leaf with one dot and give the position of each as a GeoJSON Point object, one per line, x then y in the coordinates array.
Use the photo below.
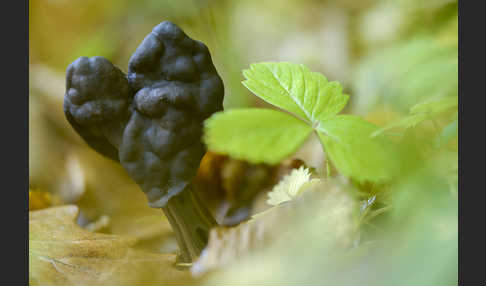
{"type": "Point", "coordinates": [62, 253]}
{"type": "Point", "coordinates": [41, 200]}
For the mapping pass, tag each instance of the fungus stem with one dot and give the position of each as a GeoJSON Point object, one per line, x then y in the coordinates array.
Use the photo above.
{"type": "Point", "coordinates": [191, 222]}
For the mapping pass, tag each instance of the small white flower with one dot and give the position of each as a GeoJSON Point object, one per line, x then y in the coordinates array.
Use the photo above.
{"type": "Point", "coordinates": [290, 186]}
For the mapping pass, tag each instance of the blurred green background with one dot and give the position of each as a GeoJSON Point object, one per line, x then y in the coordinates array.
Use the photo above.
{"type": "Point", "coordinates": [389, 55]}
{"type": "Point", "coordinates": [331, 37]}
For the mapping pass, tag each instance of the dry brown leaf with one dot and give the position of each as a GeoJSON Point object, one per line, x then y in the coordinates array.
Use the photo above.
{"type": "Point", "coordinates": [62, 253]}
{"type": "Point", "coordinates": [317, 226]}
{"type": "Point", "coordinates": [230, 244]}
{"type": "Point", "coordinates": [323, 211]}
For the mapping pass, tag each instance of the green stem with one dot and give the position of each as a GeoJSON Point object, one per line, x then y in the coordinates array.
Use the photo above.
{"type": "Point", "coordinates": [191, 222]}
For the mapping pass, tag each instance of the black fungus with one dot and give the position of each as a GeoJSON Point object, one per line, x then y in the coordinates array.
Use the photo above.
{"type": "Point", "coordinates": [151, 119]}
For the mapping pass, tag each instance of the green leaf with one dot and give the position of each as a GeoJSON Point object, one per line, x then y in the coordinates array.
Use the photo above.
{"type": "Point", "coordinates": [406, 122]}
{"type": "Point", "coordinates": [255, 135]}
{"type": "Point", "coordinates": [296, 89]}
{"type": "Point", "coordinates": [450, 131]}
{"type": "Point", "coordinates": [455, 116]}
{"type": "Point", "coordinates": [348, 143]}
{"type": "Point", "coordinates": [429, 108]}
{"type": "Point", "coordinates": [435, 106]}
{"type": "Point", "coordinates": [405, 73]}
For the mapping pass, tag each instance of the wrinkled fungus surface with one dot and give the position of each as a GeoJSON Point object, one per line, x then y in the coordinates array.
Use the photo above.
{"type": "Point", "coordinates": [151, 119]}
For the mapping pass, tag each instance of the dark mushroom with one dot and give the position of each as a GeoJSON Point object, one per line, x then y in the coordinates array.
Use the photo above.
{"type": "Point", "coordinates": [151, 121]}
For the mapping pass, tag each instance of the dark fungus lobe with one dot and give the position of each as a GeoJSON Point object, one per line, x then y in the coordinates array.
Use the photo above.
{"type": "Point", "coordinates": [151, 119]}
{"type": "Point", "coordinates": [97, 98]}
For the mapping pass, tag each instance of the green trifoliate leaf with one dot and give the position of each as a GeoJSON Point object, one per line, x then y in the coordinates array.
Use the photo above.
{"type": "Point", "coordinates": [348, 143]}
{"type": "Point", "coordinates": [293, 87]}
{"type": "Point", "coordinates": [291, 186]}
{"type": "Point", "coordinates": [255, 135]}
